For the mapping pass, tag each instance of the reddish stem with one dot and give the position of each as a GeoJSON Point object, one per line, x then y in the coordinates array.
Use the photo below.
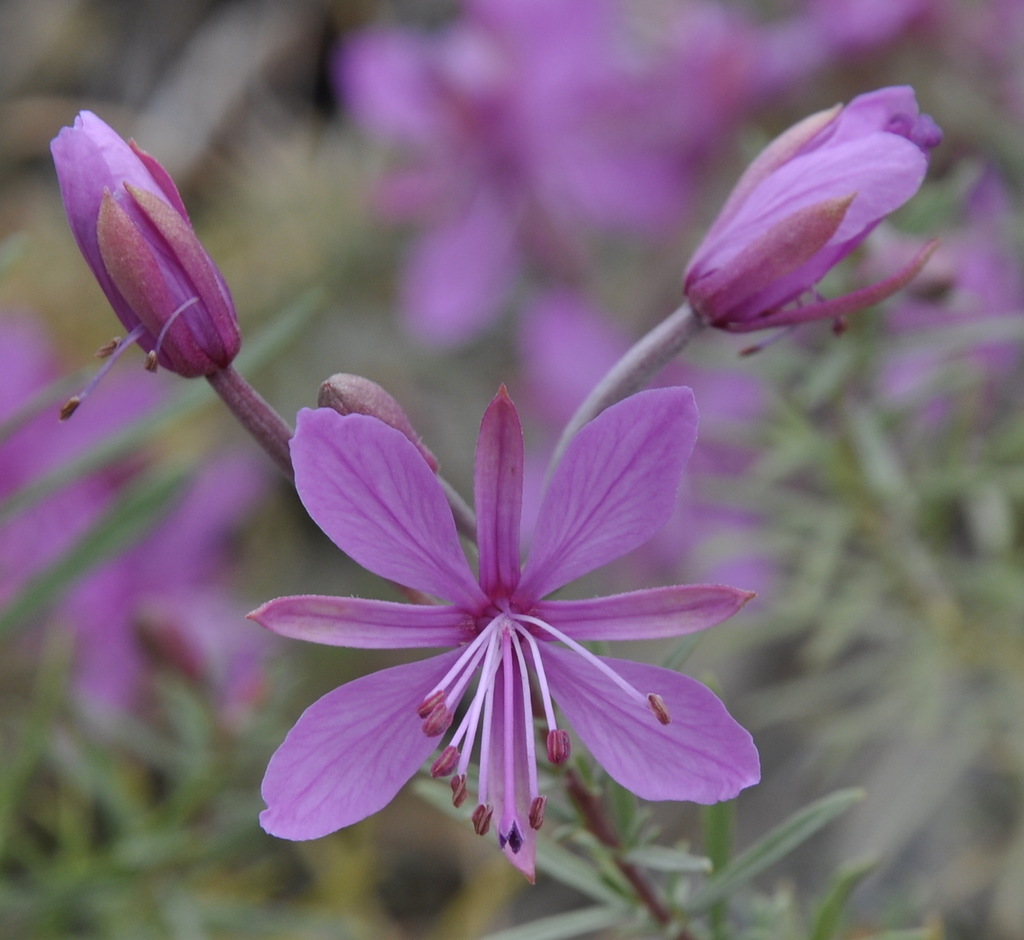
{"type": "Point", "coordinates": [600, 825]}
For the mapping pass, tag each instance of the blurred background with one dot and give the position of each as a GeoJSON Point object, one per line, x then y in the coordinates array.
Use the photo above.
{"type": "Point", "coordinates": [444, 197]}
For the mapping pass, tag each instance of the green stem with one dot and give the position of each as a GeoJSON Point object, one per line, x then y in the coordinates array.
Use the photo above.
{"type": "Point", "coordinates": [634, 370]}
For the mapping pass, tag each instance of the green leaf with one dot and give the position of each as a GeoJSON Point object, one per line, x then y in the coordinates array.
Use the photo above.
{"type": "Point", "coordinates": [560, 926]}
{"type": "Point", "coordinates": [829, 915]}
{"type": "Point", "coordinates": [774, 846]}
{"type": "Point", "coordinates": [662, 858]}
{"type": "Point", "coordinates": [125, 522]}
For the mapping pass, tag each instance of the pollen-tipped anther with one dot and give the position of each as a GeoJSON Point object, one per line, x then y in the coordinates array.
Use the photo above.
{"type": "Point", "coordinates": [69, 407]}
{"type": "Point", "coordinates": [537, 806]}
{"type": "Point", "coordinates": [431, 702]}
{"type": "Point", "coordinates": [438, 721]}
{"type": "Point", "coordinates": [445, 763]}
{"type": "Point", "coordinates": [458, 790]}
{"type": "Point", "coordinates": [558, 746]}
{"type": "Point", "coordinates": [482, 819]}
{"type": "Point", "coordinates": [659, 707]}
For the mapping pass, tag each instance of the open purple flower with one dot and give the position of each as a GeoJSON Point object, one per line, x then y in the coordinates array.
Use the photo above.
{"type": "Point", "coordinates": [661, 735]}
{"type": "Point", "coordinates": [807, 201]}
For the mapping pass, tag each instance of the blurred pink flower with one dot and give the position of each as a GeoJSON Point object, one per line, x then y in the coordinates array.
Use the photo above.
{"type": "Point", "coordinates": [133, 231]}
{"type": "Point", "coordinates": [167, 592]}
{"type": "Point", "coordinates": [167, 600]}
{"type": "Point", "coordinates": [370, 490]}
{"type": "Point", "coordinates": [975, 284]}
{"type": "Point", "coordinates": [521, 131]}
{"type": "Point", "coordinates": [852, 27]}
{"type": "Point", "coordinates": [807, 201]}
{"type": "Point", "coordinates": [33, 443]}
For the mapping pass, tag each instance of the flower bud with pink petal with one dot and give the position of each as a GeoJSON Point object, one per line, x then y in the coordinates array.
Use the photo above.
{"type": "Point", "coordinates": [133, 231]}
{"type": "Point", "coordinates": [807, 201]}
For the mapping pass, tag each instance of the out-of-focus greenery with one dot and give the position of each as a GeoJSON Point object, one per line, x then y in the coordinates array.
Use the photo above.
{"type": "Point", "coordinates": [888, 657]}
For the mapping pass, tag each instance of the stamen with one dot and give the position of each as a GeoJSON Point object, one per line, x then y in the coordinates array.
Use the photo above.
{"type": "Point", "coordinates": [431, 702]}
{"type": "Point", "coordinates": [458, 784]}
{"type": "Point", "coordinates": [483, 778]}
{"type": "Point", "coordinates": [542, 679]}
{"type": "Point", "coordinates": [595, 661]}
{"type": "Point", "coordinates": [471, 722]}
{"type": "Point", "coordinates": [151, 361]}
{"type": "Point", "coordinates": [558, 746]}
{"type": "Point", "coordinates": [445, 763]}
{"type": "Point", "coordinates": [659, 707]}
{"type": "Point", "coordinates": [69, 407]}
{"type": "Point", "coordinates": [438, 721]}
{"type": "Point", "coordinates": [463, 668]}
{"type": "Point", "coordinates": [482, 819]}
{"type": "Point", "coordinates": [528, 731]}
{"type": "Point", "coordinates": [537, 811]}
{"type": "Point", "coordinates": [170, 320]}
{"type": "Point", "coordinates": [771, 340]}
{"type": "Point", "coordinates": [109, 347]}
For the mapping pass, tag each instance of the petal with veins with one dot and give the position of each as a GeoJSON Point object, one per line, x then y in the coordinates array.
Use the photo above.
{"type": "Point", "coordinates": [360, 623]}
{"type": "Point", "coordinates": [614, 488]}
{"type": "Point", "coordinates": [368, 487]}
{"type": "Point", "coordinates": [498, 486]}
{"type": "Point", "coordinates": [350, 752]}
{"type": "Point", "coordinates": [702, 755]}
{"type": "Point", "coordinates": [645, 615]}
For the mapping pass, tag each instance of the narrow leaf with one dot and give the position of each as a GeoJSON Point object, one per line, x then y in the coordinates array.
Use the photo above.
{"type": "Point", "coordinates": [573, 924]}
{"type": "Point", "coordinates": [776, 845]}
{"type": "Point", "coordinates": [829, 915]}
{"type": "Point", "coordinates": [662, 858]}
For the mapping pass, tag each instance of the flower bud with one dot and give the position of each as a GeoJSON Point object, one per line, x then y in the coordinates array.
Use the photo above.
{"type": "Point", "coordinates": [133, 231]}
{"type": "Point", "coordinates": [353, 394]}
{"type": "Point", "coordinates": [810, 198]}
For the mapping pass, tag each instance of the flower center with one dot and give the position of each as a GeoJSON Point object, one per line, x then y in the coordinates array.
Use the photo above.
{"type": "Point", "coordinates": [504, 654]}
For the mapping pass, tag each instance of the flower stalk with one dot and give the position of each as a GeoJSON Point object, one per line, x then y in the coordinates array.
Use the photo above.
{"type": "Point", "coordinates": [645, 359]}
{"type": "Point", "coordinates": [256, 415]}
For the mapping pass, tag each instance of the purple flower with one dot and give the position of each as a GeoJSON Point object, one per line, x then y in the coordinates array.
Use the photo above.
{"type": "Point", "coordinates": [520, 132]}
{"type": "Point", "coordinates": [32, 445]}
{"type": "Point", "coordinates": [166, 594]}
{"type": "Point", "coordinates": [132, 229]}
{"type": "Point", "coordinates": [807, 201]}
{"type": "Point", "coordinates": [169, 596]}
{"type": "Point", "coordinates": [975, 285]}
{"type": "Point", "coordinates": [661, 735]}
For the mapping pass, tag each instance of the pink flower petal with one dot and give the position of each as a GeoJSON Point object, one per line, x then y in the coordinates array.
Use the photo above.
{"type": "Point", "coordinates": [498, 487]}
{"type": "Point", "coordinates": [459, 272]}
{"type": "Point", "coordinates": [615, 487]}
{"type": "Point", "coordinates": [386, 79]}
{"type": "Point", "coordinates": [363, 624]}
{"type": "Point", "coordinates": [350, 752]}
{"type": "Point", "coordinates": [885, 170]}
{"type": "Point", "coordinates": [368, 487]}
{"type": "Point", "coordinates": [645, 615]}
{"type": "Point", "coordinates": [702, 755]}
